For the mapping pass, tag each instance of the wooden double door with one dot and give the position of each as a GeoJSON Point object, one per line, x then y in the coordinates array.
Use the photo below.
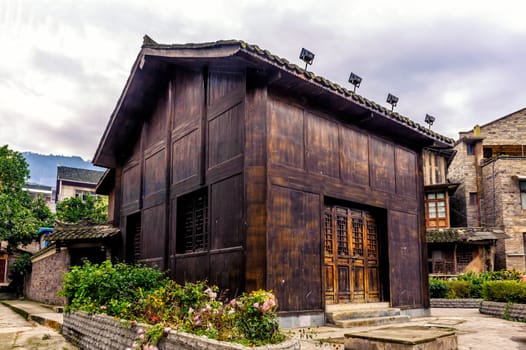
{"type": "Point", "coordinates": [351, 256]}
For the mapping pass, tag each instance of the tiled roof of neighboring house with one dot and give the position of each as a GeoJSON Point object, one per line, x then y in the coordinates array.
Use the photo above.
{"type": "Point", "coordinates": [464, 234]}
{"type": "Point", "coordinates": [282, 63]}
{"type": "Point", "coordinates": [79, 175]}
{"type": "Point", "coordinates": [31, 186]}
{"type": "Point", "coordinates": [81, 231]}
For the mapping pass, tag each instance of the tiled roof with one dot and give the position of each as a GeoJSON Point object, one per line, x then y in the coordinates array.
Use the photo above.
{"type": "Point", "coordinates": [79, 175]}
{"type": "Point", "coordinates": [81, 231]}
{"type": "Point", "coordinates": [292, 68]}
{"type": "Point", "coordinates": [464, 234]}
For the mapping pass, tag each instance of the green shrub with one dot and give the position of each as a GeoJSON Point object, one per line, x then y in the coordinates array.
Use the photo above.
{"type": "Point", "coordinates": [505, 291]}
{"type": "Point", "coordinates": [437, 288]}
{"type": "Point", "coordinates": [112, 289]}
{"type": "Point", "coordinates": [257, 317]}
{"type": "Point", "coordinates": [143, 294]}
{"type": "Point", "coordinates": [458, 289]}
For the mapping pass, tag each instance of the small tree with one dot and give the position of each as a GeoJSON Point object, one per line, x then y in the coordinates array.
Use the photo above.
{"type": "Point", "coordinates": [74, 209]}
{"type": "Point", "coordinates": [18, 225]}
{"type": "Point", "coordinates": [42, 212]}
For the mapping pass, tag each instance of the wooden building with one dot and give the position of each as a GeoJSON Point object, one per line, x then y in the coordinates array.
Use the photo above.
{"type": "Point", "coordinates": [233, 165]}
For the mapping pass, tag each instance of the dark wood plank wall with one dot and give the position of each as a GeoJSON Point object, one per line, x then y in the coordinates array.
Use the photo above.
{"type": "Point", "coordinates": [255, 177]}
{"type": "Point", "coordinates": [193, 139]}
{"type": "Point", "coordinates": [208, 130]}
{"type": "Point", "coordinates": [313, 156]}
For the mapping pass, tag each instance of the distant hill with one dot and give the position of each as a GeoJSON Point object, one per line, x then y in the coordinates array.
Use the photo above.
{"type": "Point", "coordinates": [43, 168]}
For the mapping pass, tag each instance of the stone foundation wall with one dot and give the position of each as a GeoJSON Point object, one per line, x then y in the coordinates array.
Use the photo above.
{"type": "Point", "coordinates": [46, 276]}
{"type": "Point", "coordinates": [101, 332]}
{"type": "Point", "coordinates": [456, 303]}
{"type": "Point", "coordinates": [516, 312]}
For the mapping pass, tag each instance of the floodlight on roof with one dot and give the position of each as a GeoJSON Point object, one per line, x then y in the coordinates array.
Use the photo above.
{"type": "Point", "coordinates": [306, 56]}
{"type": "Point", "coordinates": [355, 80]}
{"type": "Point", "coordinates": [429, 120]}
{"type": "Point", "coordinates": [392, 100]}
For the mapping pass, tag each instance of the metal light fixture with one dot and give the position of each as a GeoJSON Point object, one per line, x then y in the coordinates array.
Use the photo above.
{"type": "Point", "coordinates": [429, 120]}
{"type": "Point", "coordinates": [392, 100]}
{"type": "Point", "coordinates": [306, 56]}
{"type": "Point", "coordinates": [355, 80]}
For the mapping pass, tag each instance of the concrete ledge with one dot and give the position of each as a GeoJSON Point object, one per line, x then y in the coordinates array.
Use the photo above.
{"type": "Point", "coordinates": [456, 303]}
{"type": "Point", "coordinates": [101, 332]}
{"type": "Point", "coordinates": [403, 338]}
{"type": "Point", "coordinates": [508, 311]}
{"type": "Point", "coordinates": [35, 312]}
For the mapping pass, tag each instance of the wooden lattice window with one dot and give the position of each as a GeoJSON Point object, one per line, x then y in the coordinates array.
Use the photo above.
{"type": "Point", "coordinates": [357, 236]}
{"type": "Point", "coordinates": [464, 257]}
{"type": "Point", "coordinates": [343, 236]}
{"type": "Point", "coordinates": [372, 238]}
{"type": "Point", "coordinates": [328, 232]}
{"type": "Point", "coordinates": [192, 222]}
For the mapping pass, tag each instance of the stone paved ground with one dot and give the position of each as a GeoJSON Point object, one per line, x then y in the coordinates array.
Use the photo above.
{"type": "Point", "coordinates": [18, 334]}
{"type": "Point", "coordinates": [474, 331]}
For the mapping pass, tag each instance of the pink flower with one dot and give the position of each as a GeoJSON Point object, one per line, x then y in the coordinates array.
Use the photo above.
{"type": "Point", "coordinates": [256, 305]}
{"type": "Point", "coordinates": [233, 302]}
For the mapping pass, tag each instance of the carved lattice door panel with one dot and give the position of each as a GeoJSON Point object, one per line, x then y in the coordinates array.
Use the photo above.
{"type": "Point", "coordinates": [350, 256]}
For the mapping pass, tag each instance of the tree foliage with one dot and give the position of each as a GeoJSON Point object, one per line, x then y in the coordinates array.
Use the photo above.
{"type": "Point", "coordinates": [74, 209]}
{"type": "Point", "coordinates": [18, 224]}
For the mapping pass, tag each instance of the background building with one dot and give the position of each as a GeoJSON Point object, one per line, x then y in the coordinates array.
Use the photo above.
{"type": "Point", "coordinates": [490, 165]}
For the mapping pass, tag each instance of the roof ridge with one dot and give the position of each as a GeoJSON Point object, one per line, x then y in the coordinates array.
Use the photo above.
{"type": "Point", "coordinates": [342, 90]}
{"type": "Point", "coordinates": [284, 63]}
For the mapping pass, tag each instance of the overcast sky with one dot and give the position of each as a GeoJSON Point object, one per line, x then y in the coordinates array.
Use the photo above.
{"type": "Point", "coordinates": [63, 63]}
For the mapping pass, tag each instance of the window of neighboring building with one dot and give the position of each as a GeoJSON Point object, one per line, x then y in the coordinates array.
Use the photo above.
{"type": "Point", "coordinates": [84, 194]}
{"type": "Point", "coordinates": [436, 214]}
{"type": "Point", "coordinates": [472, 198]}
{"type": "Point", "coordinates": [522, 186]}
{"type": "Point", "coordinates": [3, 268]}
{"type": "Point", "coordinates": [192, 222]}
{"type": "Point", "coordinates": [470, 148]}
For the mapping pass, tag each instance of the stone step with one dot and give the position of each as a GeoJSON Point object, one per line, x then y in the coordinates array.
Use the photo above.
{"type": "Point", "coordinates": [361, 313]}
{"type": "Point", "coordinates": [370, 321]}
{"type": "Point", "coordinates": [355, 306]}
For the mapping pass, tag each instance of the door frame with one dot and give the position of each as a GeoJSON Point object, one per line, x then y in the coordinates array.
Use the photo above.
{"type": "Point", "coordinates": [380, 218]}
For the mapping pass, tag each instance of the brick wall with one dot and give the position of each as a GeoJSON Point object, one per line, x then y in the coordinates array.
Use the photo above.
{"type": "Point", "coordinates": [504, 310]}
{"type": "Point", "coordinates": [46, 277]}
{"type": "Point", "coordinates": [463, 169]}
{"type": "Point", "coordinates": [100, 332]}
{"type": "Point", "coordinates": [501, 207]}
{"type": "Point", "coordinates": [509, 130]}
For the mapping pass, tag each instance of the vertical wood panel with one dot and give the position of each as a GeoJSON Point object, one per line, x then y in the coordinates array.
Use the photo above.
{"type": "Point", "coordinates": [255, 180]}
{"type": "Point", "coordinates": [131, 179]}
{"type": "Point", "coordinates": [155, 125]}
{"type": "Point", "coordinates": [221, 84]}
{"type": "Point", "coordinates": [153, 236]}
{"type": "Point", "coordinates": [226, 221]}
{"type": "Point", "coordinates": [405, 260]}
{"type": "Point", "coordinates": [155, 172]}
{"type": "Point", "coordinates": [381, 157]}
{"type": "Point", "coordinates": [405, 172]}
{"type": "Point", "coordinates": [322, 146]}
{"type": "Point", "coordinates": [286, 144]}
{"type": "Point", "coordinates": [294, 257]}
{"type": "Point", "coordinates": [185, 156]}
{"type": "Point", "coordinates": [226, 270]}
{"type": "Point", "coordinates": [189, 98]}
{"type": "Point", "coordinates": [225, 136]}
{"type": "Point", "coordinates": [354, 157]}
